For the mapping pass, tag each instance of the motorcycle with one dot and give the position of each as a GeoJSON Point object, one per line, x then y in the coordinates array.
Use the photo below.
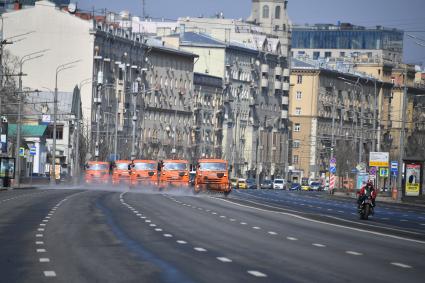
{"type": "Point", "coordinates": [366, 208]}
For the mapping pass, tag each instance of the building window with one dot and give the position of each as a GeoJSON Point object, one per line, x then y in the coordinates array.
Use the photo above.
{"type": "Point", "coordinates": [266, 11]}
{"type": "Point", "coordinates": [316, 55]}
{"type": "Point", "coordinates": [295, 159]}
{"type": "Point", "coordinates": [298, 111]}
{"type": "Point", "coordinates": [59, 132]}
{"type": "Point", "coordinates": [277, 12]}
{"type": "Point", "coordinates": [341, 54]}
{"type": "Point", "coordinates": [328, 54]}
{"type": "Point", "coordinates": [296, 144]}
{"type": "Point", "coordinates": [297, 128]}
{"type": "Point", "coordinates": [299, 79]}
{"type": "Point", "coordinates": [299, 95]}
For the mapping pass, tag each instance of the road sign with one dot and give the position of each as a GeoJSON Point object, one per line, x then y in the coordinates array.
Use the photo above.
{"type": "Point", "coordinates": [332, 169]}
{"type": "Point", "coordinates": [394, 166]}
{"type": "Point", "coordinates": [21, 151]}
{"type": "Point", "coordinates": [33, 150]}
{"type": "Point", "coordinates": [372, 171]}
{"type": "Point", "coordinates": [333, 160]}
{"type": "Point", "coordinates": [332, 182]}
{"type": "Point", "coordinates": [45, 119]}
{"type": "Point", "coordinates": [383, 172]}
{"type": "Point", "coordinates": [379, 159]}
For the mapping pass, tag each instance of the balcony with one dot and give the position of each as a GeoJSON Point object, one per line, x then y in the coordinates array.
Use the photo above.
{"type": "Point", "coordinates": [285, 86]}
{"type": "Point", "coordinates": [284, 114]}
{"type": "Point", "coordinates": [265, 68]}
{"type": "Point", "coordinates": [278, 71]}
{"type": "Point", "coordinates": [286, 72]}
{"type": "Point", "coordinates": [277, 85]}
{"type": "Point", "coordinates": [264, 83]}
{"type": "Point", "coordinates": [285, 100]}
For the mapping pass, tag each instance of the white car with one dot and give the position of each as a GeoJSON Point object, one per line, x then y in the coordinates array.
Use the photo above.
{"type": "Point", "coordinates": [279, 184]}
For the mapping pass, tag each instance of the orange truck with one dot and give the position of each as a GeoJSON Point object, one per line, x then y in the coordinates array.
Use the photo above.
{"type": "Point", "coordinates": [121, 172]}
{"type": "Point", "coordinates": [144, 172]}
{"type": "Point", "coordinates": [213, 175]}
{"type": "Point", "coordinates": [174, 173]}
{"type": "Point", "coordinates": [96, 172]}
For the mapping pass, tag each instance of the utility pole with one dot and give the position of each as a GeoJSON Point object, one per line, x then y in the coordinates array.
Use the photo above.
{"type": "Point", "coordinates": [402, 134]}
{"type": "Point", "coordinates": [135, 90]}
{"type": "Point", "coordinates": [333, 121]}
{"type": "Point", "coordinates": [59, 69]}
{"type": "Point", "coordinates": [375, 106]}
{"type": "Point", "coordinates": [361, 126]}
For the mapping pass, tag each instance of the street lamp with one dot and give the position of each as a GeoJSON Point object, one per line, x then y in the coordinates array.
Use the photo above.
{"type": "Point", "coordinates": [25, 58]}
{"type": "Point", "coordinates": [59, 69]}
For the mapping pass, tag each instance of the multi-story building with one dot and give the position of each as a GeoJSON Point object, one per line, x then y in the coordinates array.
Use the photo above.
{"type": "Point", "coordinates": [208, 110]}
{"type": "Point", "coordinates": [332, 113]}
{"type": "Point", "coordinates": [9, 5]}
{"type": "Point", "coordinates": [119, 71]}
{"type": "Point", "coordinates": [336, 42]}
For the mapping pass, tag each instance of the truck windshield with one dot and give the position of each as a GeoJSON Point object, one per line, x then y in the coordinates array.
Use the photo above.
{"type": "Point", "coordinates": [144, 166]}
{"type": "Point", "coordinates": [122, 166]}
{"type": "Point", "coordinates": [213, 166]}
{"type": "Point", "coordinates": [97, 167]}
{"type": "Point", "coordinates": [175, 166]}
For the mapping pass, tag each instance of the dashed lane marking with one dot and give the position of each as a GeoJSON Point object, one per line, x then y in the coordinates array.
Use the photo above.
{"type": "Point", "coordinates": [41, 250]}
{"type": "Point", "coordinates": [402, 265]}
{"type": "Point", "coordinates": [256, 228]}
{"type": "Point", "coordinates": [199, 249]}
{"type": "Point", "coordinates": [39, 235]}
{"type": "Point", "coordinates": [353, 253]}
{"type": "Point", "coordinates": [39, 243]}
{"type": "Point", "coordinates": [319, 245]}
{"type": "Point", "coordinates": [291, 238]}
{"type": "Point", "coordinates": [158, 229]}
{"type": "Point", "coordinates": [49, 273]}
{"type": "Point", "coordinates": [256, 273]}
{"type": "Point", "coordinates": [152, 225]}
{"type": "Point", "coordinates": [272, 233]}
{"type": "Point", "coordinates": [168, 235]}
{"type": "Point", "coordinates": [44, 259]}
{"type": "Point", "coordinates": [224, 259]}
{"type": "Point", "coordinates": [243, 223]}
{"type": "Point", "coordinates": [181, 242]}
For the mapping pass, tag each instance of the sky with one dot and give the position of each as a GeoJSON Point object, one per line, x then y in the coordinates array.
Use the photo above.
{"type": "Point", "coordinates": [408, 15]}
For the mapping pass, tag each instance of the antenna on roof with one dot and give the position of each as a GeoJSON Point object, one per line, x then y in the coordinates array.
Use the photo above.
{"type": "Point", "coordinates": [144, 9]}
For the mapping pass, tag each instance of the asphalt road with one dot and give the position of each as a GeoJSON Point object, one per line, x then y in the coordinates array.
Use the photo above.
{"type": "Point", "coordinates": [117, 235]}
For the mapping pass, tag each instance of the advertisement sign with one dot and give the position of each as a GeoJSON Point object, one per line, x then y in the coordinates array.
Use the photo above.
{"type": "Point", "coordinates": [413, 179]}
{"type": "Point", "coordinates": [7, 167]}
{"type": "Point", "coordinates": [379, 159]}
{"type": "Point", "coordinates": [362, 179]}
{"type": "Point", "coordinates": [383, 172]}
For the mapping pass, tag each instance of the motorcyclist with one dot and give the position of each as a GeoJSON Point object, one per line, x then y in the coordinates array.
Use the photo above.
{"type": "Point", "coordinates": [367, 190]}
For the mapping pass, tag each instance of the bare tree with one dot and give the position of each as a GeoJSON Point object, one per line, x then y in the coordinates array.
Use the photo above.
{"type": "Point", "coordinates": [8, 92]}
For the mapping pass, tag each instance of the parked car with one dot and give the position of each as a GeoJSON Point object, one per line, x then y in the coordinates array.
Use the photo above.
{"type": "Point", "coordinates": [279, 184]}
{"type": "Point", "coordinates": [242, 184]}
{"type": "Point", "coordinates": [251, 184]}
{"type": "Point", "coordinates": [316, 186]}
{"type": "Point", "coordinates": [266, 184]}
{"type": "Point", "coordinates": [234, 183]}
{"type": "Point", "coordinates": [295, 187]}
{"type": "Point", "coordinates": [305, 188]}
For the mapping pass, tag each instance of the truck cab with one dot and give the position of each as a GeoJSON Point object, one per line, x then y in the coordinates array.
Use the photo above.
{"type": "Point", "coordinates": [144, 172]}
{"type": "Point", "coordinates": [174, 173]}
{"type": "Point", "coordinates": [96, 172]}
{"type": "Point", "coordinates": [212, 174]}
{"type": "Point", "coordinates": [121, 172]}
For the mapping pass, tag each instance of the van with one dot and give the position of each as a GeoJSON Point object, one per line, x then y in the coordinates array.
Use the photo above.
{"type": "Point", "coordinates": [96, 172]}
{"type": "Point", "coordinates": [174, 173]}
{"type": "Point", "coordinates": [121, 172]}
{"type": "Point", "coordinates": [212, 174]}
{"type": "Point", "coordinates": [144, 172]}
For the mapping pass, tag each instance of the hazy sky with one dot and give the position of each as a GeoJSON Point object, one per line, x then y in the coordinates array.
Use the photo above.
{"type": "Point", "coordinates": [408, 15]}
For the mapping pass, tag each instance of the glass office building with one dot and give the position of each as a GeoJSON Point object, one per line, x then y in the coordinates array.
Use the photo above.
{"type": "Point", "coordinates": [347, 36]}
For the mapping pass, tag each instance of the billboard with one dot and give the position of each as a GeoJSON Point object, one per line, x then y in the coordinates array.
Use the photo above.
{"type": "Point", "coordinates": [413, 180]}
{"type": "Point", "coordinates": [379, 159]}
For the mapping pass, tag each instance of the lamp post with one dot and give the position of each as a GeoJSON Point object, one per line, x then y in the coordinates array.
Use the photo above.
{"type": "Point", "coordinates": [59, 69]}
{"type": "Point", "coordinates": [25, 58]}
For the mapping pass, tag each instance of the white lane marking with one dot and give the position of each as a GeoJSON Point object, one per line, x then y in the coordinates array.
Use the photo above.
{"type": "Point", "coordinates": [143, 217]}
{"type": "Point", "coordinates": [168, 235]}
{"type": "Point", "coordinates": [39, 235]}
{"type": "Point", "coordinates": [49, 273]}
{"type": "Point", "coordinates": [214, 213]}
{"type": "Point", "coordinates": [233, 220]}
{"type": "Point", "coordinates": [148, 221]}
{"type": "Point", "coordinates": [340, 211]}
{"type": "Point", "coordinates": [243, 223]}
{"type": "Point", "coordinates": [40, 229]}
{"type": "Point", "coordinates": [256, 273]}
{"type": "Point", "coordinates": [402, 265]}
{"type": "Point", "coordinates": [272, 233]}
{"type": "Point", "coordinates": [135, 211]}
{"type": "Point", "coordinates": [323, 222]}
{"type": "Point", "coordinates": [199, 249]}
{"type": "Point", "coordinates": [45, 220]}
{"type": "Point", "coordinates": [181, 242]}
{"type": "Point", "coordinates": [41, 250]}
{"type": "Point", "coordinates": [256, 228]}
{"type": "Point", "coordinates": [39, 243]}
{"type": "Point", "coordinates": [353, 253]}
{"type": "Point", "coordinates": [138, 214]}
{"type": "Point", "coordinates": [158, 229]}
{"type": "Point", "coordinates": [403, 220]}
{"type": "Point", "coordinates": [291, 238]}
{"type": "Point", "coordinates": [47, 217]}
{"type": "Point", "coordinates": [44, 259]}
{"type": "Point", "coordinates": [319, 245]}
{"type": "Point", "coordinates": [222, 216]}
{"type": "Point", "coordinates": [207, 210]}
{"type": "Point", "coordinates": [224, 259]}
{"type": "Point", "coordinates": [152, 225]}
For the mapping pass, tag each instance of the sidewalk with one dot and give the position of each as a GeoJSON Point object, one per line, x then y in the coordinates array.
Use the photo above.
{"type": "Point", "coordinates": [387, 199]}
